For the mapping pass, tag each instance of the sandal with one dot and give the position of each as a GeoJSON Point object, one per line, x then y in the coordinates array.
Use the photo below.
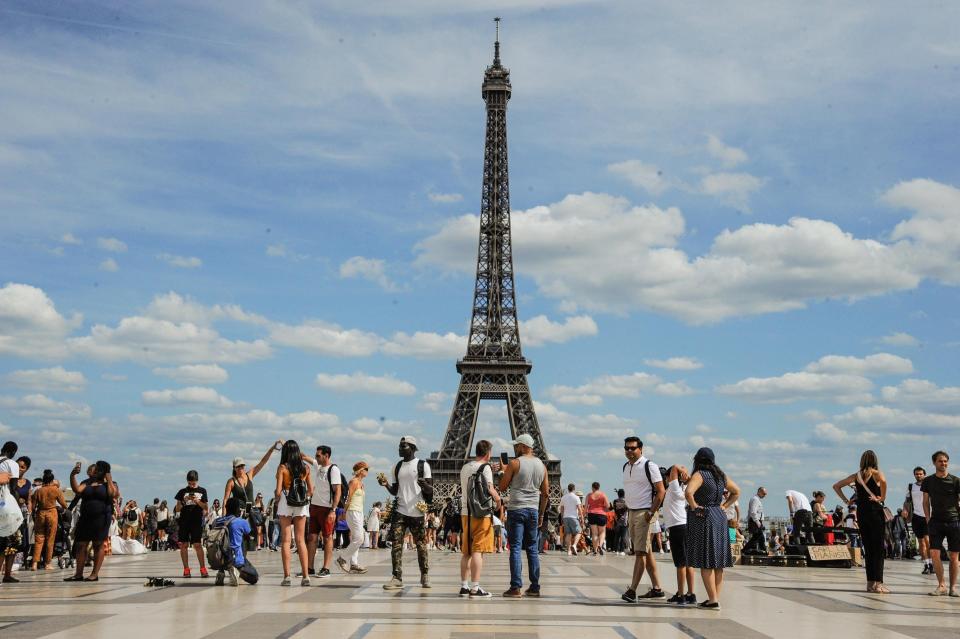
{"type": "Point", "coordinates": [92, 579]}
{"type": "Point", "coordinates": [74, 578]}
{"type": "Point", "coordinates": [882, 590]}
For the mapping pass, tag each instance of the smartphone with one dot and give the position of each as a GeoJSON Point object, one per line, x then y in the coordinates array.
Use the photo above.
{"type": "Point", "coordinates": [504, 459]}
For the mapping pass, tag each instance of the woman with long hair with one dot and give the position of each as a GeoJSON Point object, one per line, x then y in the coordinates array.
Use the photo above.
{"type": "Point", "coordinates": [870, 490]}
{"type": "Point", "coordinates": [707, 540]}
{"type": "Point", "coordinates": [597, 507]}
{"type": "Point", "coordinates": [293, 518]}
{"type": "Point", "coordinates": [354, 517]}
{"type": "Point", "coordinates": [46, 498]}
{"type": "Point", "coordinates": [163, 521]}
{"type": "Point", "coordinates": [97, 494]}
{"type": "Point", "coordinates": [258, 520]}
{"type": "Point", "coordinates": [373, 526]}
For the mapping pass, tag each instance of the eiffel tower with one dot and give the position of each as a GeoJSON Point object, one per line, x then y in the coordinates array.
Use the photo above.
{"type": "Point", "coordinates": [494, 366]}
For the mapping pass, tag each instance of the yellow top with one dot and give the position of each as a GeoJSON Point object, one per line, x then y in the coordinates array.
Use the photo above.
{"type": "Point", "coordinates": [356, 500]}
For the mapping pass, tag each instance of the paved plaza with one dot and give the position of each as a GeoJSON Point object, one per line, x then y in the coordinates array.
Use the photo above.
{"type": "Point", "coordinates": [580, 600]}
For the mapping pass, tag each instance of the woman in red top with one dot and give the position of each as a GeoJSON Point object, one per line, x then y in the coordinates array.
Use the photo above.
{"type": "Point", "coordinates": [597, 507]}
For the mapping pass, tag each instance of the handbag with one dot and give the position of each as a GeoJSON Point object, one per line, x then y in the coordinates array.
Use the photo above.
{"type": "Point", "coordinates": [11, 517]}
{"type": "Point", "coordinates": [887, 513]}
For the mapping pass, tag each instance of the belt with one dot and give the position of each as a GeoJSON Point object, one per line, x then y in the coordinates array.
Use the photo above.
{"type": "Point", "coordinates": [638, 510]}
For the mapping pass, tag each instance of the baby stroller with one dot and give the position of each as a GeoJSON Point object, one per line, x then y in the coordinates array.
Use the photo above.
{"type": "Point", "coordinates": [62, 545]}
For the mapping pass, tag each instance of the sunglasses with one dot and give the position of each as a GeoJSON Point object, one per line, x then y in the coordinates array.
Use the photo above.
{"type": "Point", "coordinates": [631, 447]}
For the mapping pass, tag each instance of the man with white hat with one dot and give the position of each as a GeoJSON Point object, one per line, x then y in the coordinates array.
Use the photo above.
{"type": "Point", "coordinates": [410, 482]}
{"type": "Point", "coordinates": [526, 478]}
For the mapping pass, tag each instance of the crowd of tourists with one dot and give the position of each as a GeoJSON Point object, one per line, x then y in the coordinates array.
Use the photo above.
{"type": "Point", "coordinates": [316, 506]}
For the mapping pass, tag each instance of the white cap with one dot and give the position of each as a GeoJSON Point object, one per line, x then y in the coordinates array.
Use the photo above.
{"type": "Point", "coordinates": [409, 439]}
{"type": "Point", "coordinates": [524, 439]}
{"type": "Point", "coordinates": [238, 461]}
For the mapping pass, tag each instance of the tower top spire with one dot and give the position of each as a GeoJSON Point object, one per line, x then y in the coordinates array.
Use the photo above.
{"type": "Point", "coordinates": [496, 43]}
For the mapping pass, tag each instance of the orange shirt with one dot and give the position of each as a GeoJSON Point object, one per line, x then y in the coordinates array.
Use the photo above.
{"type": "Point", "coordinates": [48, 497]}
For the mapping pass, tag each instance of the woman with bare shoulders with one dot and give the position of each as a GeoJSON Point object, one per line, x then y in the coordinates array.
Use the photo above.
{"type": "Point", "coordinates": [97, 494]}
{"type": "Point", "coordinates": [870, 489]}
{"type": "Point", "coordinates": [293, 492]}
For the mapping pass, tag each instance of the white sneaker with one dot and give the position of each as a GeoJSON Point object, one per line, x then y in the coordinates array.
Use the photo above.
{"type": "Point", "coordinates": [286, 581]}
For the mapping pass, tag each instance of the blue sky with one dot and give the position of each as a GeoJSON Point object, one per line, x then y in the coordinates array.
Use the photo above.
{"type": "Point", "coordinates": [734, 224]}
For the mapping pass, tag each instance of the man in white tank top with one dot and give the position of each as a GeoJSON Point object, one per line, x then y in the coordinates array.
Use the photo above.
{"type": "Point", "coordinates": [526, 479]}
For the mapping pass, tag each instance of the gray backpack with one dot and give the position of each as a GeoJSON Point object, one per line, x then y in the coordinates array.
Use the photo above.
{"type": "Point", "coordinates": [479, 500]}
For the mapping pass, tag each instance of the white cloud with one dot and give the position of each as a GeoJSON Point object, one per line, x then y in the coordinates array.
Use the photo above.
{"type": "Point", "coordinates": [557, 423]}
{"type": "Point", "coordinates": [109, 265]}
{"type": "Point", "coordinates": [878, 364]}
{"type": "Point", "coordinates": [48, 379]}
{"type": "Point", "coordinates": [703, 429]}
{"type": "Point", "coordinates": [435, 402]}
{"type": "Point", "coordinates": [30, 325]}
{"type": "Point", "coordinates": [41, 406]}
{"type": "Point", "coordinates": [645, 176]}
{"type": "Point", "coordinates": [921, 393]}
{"type": "Point", "coordinates": [444, 198]}
{"type": "Point", "coordinates": [424, 345]}
{"type": "Point", "coordinates": [792, 387]}
{"type": "Point", "coordinates": [899, 339]}
{"type": "Point", "coordinates": [174, 307]}
{"type": "Point", "coordinates": [372, 270]}
{"type": "Point", "coordinates": [596, 252]}
{"type": "Point", "coordinates": [363, 383]}
{"type": "Point", "coordinates": [186, 396]}
{"type": "Point", "coordinates": [934, 228]}
{"type": "Point", "coordinates": [895, 418]}
{"type": "Point", "coordinates": [70, 238]}
{"type": "Point", "coordinates": [826, 433]}
{"type": "Point", "coordinates": [540, 330]}
{"type": "Point", "coordinates": [675, 363]}
{"type": "Point", "coordinates": [180, 261]}
{"type": "Point", "coordinates": [54, 436]}
{"type": "Point", "coordinates": [744, 445]}
{"type": "Point", "coordinates": [111, 244]}
{"type": "Point", "coordinates": [632, 385]}
{"type": "Point", "coordinates": [201, 374]}
{"type": "Point", "coordinates": [150, 340]}
{"type": "Point", "coordinates": [322, 338]}
{"type": "Point", "coordinates": [277, 250]}
{"type": "Point", "coordinates": [733, 189]}
{"type": "Point", "coordinates": [729, 156]}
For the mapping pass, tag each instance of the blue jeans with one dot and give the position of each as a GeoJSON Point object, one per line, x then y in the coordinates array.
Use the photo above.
{"type": "Point", "coordinates": [522, 526]}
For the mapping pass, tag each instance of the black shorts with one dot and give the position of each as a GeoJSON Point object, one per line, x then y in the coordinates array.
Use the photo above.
{"type": "Point", "coordinates": [678, 535]}
{"type": "Point", "coordinates": [454, 526]}
{"type": "Point", "coordinates": [596, 519]}
{"type": "Point", "coordinates": [945, 530]}
{"type": "Point", "coordinates": [190, 532]}
{"type": "Point", "coordinates": [919, 525]}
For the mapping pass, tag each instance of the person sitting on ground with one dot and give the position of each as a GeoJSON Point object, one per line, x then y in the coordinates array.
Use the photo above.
{"type": "Point", "coordinates": [237, 529]}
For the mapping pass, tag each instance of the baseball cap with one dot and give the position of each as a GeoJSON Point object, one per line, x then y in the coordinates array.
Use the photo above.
{"type": "Point", "coordinates": [524, 439]}
{"type": "Point", "coordinates": [409, 439]}
{"type": "Point", "coordinates": [238, 461]}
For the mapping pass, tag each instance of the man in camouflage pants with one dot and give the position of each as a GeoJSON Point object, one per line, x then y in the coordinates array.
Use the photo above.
{"type": "Point", "coordinates": [412, 485]}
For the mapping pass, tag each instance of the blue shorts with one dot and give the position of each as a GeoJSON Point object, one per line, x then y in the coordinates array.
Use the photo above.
{"type": "Point", "coordinates": [571, 525]}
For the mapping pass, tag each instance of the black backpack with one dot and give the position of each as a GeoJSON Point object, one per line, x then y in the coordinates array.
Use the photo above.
{"type": "Point", "coordinates": [132, 516]}
{"type": "Point", "coordinates": [427, 490]}
{"type": "Point", "coordinates": [297, 494]}
{"type": "Point", "coordinates": [478, 498]}
{"type": "Point", "coordinates": [343, 488]}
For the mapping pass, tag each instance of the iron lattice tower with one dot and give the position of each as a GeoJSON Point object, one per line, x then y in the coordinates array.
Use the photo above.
{"type": "Point", "coordinates": [494, 366]}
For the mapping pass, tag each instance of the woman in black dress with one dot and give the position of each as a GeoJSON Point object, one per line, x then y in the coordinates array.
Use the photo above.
{"type": "Point", "coordinates": [97, 495]}
{"type": "Point", "coordinates": [707, 539]}
{"type": "Point", "coordinates": [870, 489]}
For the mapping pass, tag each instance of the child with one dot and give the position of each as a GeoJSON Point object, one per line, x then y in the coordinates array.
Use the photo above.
{"type": "Point", "coordinates": [237, 528]}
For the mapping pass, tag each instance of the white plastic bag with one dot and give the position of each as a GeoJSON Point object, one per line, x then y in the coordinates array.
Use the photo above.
{"type": "Point", "coordinates": [10, 515]}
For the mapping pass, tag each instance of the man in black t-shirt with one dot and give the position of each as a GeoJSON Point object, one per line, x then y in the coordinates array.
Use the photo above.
{"type": "Point", "coordinates": [192, 506]}
{"type": "Point", "coordinates": [941, 501]}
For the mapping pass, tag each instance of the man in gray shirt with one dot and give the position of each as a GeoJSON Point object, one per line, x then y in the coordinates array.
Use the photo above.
{"type": "Point", "coordinates": [526, 479]}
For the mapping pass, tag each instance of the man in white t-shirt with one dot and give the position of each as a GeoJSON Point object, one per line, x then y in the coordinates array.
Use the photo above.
{"type": "Point", "coordinates": [327, 488]}
{"type": "Point", "coordinates": [644, 492]}
{"type": "Point", "coordinates": [802, 514]}
{"type": "Point", "coordinates": [918, 520]}
{"type": "Point", "coordinates": [571, 510]}
{"type": "Point", "coordinates": [9, 474]}
{"type": "Point", "coordinates": [477, 527]}
{"type": "Point", "coordinates": [410, 482]}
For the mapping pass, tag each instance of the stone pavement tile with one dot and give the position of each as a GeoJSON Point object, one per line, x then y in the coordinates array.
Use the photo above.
{"type": "Point", "coordinates": [30, 626]}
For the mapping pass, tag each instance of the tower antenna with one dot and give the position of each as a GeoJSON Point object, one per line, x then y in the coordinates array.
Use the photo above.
{"type": "Point", "coordinates": [496, 44]}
